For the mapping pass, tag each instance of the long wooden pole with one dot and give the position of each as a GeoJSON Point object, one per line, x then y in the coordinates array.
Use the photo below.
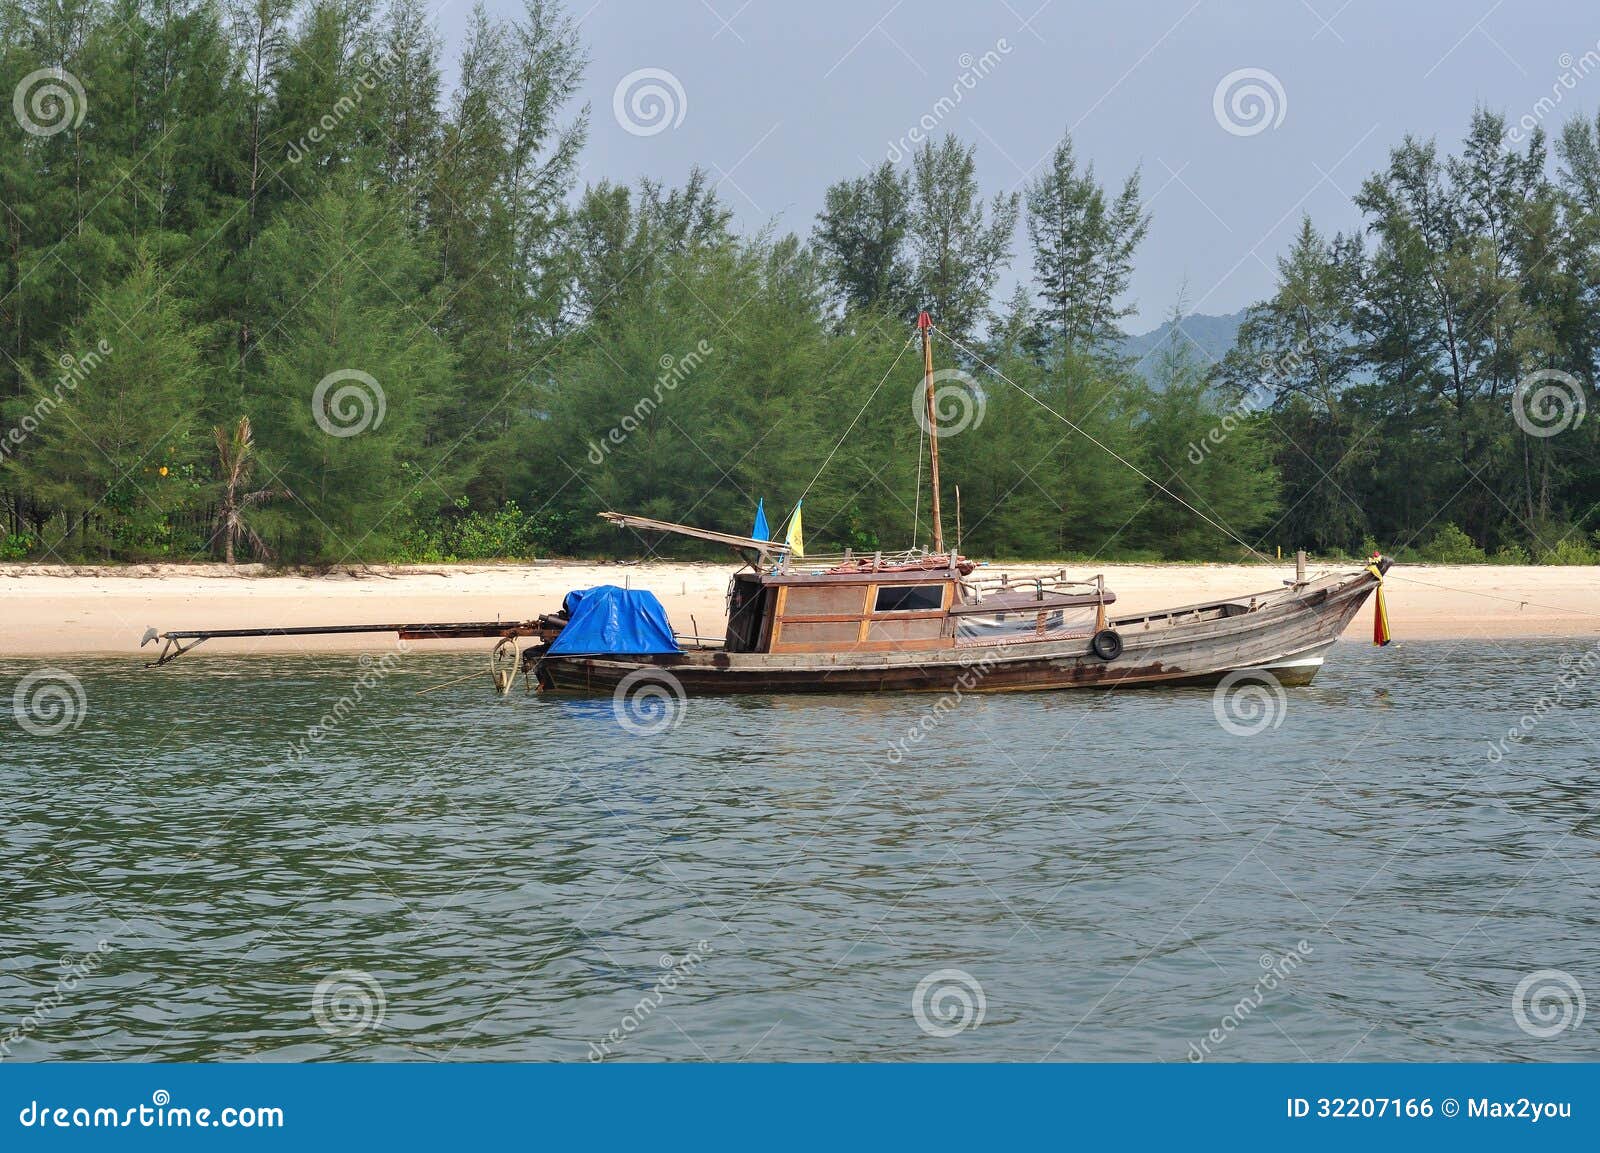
{"type": "Point", "coordinates": [926, 324]}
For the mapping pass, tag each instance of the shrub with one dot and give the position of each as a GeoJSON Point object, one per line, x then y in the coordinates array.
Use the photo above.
{"type": "Point", "coordinates": [1570, 550]}
{"type": "Point", "coordinates": [1450, 545]}
{"type": "Point", "coordinates": [506, 533]}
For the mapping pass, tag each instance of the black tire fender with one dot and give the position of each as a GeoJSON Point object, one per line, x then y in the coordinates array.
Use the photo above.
{"type": "Point", "coordinates": [1107, 644]}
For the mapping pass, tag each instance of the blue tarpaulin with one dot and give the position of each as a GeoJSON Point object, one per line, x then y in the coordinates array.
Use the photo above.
{"type": "Point", "coordinates": [606, 619]}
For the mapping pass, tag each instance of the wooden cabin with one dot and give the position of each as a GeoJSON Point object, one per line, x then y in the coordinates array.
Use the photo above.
{"type": "Point", "coordinates": [904, 606]}
{"type": "Point", "coordinates": [899, 603]}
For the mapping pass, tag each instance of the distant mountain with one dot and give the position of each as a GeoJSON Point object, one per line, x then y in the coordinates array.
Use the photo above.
{"type": "Point", "coordinates": [1208, 337]}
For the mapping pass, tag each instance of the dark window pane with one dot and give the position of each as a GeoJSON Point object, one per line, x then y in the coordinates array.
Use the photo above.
{"type": "Point", "coordinates": [909, 598]}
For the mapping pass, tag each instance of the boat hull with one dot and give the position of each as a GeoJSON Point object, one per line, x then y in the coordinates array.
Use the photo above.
{"type": "Point", "coordinates": [1286, 636]}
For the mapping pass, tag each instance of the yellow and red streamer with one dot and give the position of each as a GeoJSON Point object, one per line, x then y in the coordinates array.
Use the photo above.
{"type": "Point", "coordinates": [1380, 611]}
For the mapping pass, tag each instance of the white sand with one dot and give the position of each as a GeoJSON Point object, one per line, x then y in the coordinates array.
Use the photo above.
{"type": "Point", "coordinates": [92, 610]}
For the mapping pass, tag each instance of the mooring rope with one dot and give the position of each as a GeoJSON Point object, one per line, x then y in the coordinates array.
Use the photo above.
{"type": "Point", "coordinates": [1220, 527]}
{"type": "Point", "coordinates": [848, 430]}
{"type": "Point", "coordinates": [1519, 601]}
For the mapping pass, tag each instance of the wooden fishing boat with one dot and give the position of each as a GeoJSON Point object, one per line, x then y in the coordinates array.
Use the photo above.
{"type": "Point", "coordinates": [919, 621]}
{"type": "Point", "coordinates": [929, 624]}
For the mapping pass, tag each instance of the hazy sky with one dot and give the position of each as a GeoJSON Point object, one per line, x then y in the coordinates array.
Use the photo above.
{"type": "Point", "coordinates": [782, 97]}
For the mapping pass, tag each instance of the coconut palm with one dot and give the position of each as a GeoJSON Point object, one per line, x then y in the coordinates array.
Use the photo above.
{"type": "Point", "coordinates": [236, 461]}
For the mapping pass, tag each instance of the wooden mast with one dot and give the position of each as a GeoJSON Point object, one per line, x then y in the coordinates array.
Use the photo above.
{"type": "Point", "coordinates": [926, 325]}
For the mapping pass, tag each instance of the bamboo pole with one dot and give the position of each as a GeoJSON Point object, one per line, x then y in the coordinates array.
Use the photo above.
{"type": "Point", "coordinates": [926, 325]}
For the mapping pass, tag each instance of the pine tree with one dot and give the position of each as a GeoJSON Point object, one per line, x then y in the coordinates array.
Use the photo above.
{"type": "Point", "coordinates": [959, 249]}
{"type": "Point", "coordinates": [348, 366]}
{"type": "Point", "coordinates": [112, 431]}
{"type": "Point", "coordinates": [1083, 247]}
{"type": "Point", "coordinates": [861, 236]}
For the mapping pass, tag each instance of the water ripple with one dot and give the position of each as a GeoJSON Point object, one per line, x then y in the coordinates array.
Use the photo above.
{"type": "Point", "coordinates": [476, 878]}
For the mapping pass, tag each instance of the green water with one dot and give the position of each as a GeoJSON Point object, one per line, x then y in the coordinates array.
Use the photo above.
{"type": "Point", "coordinates": [455, 876]}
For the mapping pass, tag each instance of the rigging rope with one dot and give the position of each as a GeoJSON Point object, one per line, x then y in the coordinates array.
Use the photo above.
{"type": "Point", "coordinates": [847, 431]}
{"type": "Point", "coordinates": [1106, 448]}
{"type": "Point", "coordinates": [1519, 601]}
{"type": "Point", "coordinates": [916, 511]}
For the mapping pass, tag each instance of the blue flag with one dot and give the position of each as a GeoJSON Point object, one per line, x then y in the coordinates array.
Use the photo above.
{"type": "Point", "coordinates": [761, 531]}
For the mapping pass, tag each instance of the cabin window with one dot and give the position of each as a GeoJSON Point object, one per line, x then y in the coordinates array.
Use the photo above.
{"type": "Point", "coordinates": [909, 599]}
{"type": "Point", "coordinates": [824, 600]}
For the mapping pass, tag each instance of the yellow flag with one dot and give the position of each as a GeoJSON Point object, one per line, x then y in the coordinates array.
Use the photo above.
{"type": "Point", "coordinates": [794, 538]}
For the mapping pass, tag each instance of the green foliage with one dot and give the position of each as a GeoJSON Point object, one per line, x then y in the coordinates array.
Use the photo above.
{"type": "Point", "coordinates": [1083, 248]}
{"type": "Point", "coordinates": [507, 533]}
{"type": "Point", "coordinates": [280, 200]}
{"type": "Point", "coordinates": [1571, 550]}
{"type": "Point", "coordinates": [1452, 546]}
{"type": "Point", "coordinates": [346, 374]}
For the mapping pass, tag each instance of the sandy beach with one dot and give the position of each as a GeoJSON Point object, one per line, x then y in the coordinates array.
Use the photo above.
{"type": "Point", "coordinates": [48, 610]}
